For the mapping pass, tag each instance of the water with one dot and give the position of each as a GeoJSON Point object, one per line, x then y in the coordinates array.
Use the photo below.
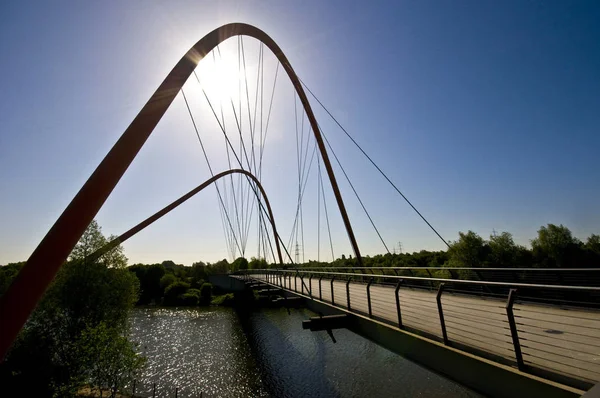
{"type": "Point", "coordinates": [268, 354]}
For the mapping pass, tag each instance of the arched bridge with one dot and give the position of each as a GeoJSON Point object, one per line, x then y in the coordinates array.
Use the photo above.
{"type": "Point", "coordinates": [505, 335]}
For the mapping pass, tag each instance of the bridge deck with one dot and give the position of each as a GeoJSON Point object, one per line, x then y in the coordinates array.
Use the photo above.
{"type": "Point", "coordinates": [557, 340]}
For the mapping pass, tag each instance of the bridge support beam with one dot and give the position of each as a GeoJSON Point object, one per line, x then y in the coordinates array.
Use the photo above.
{"type": "Point", "coordinates": [328, 322]}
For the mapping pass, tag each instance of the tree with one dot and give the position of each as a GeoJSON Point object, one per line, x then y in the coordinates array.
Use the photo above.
{"type": "Point", "coordinates": [257, 263]}
{"type": "Point", "coordinates": [240, 263]}
{"type": "Point", "coordinates": [220, 267]}
{"type": "Point", "coordinates": [469, 251]}
{"type": "Point", "coordinates": [149, 277]}
{"type": "Point", "coordinates": [115, 257]}
{"type": "Point", "coordinates": [51, 354]}
{"type": "Point", "coordinates": [173, 293]}
{"type": "Point", "coordinates": [111, 359]}
{"type": "Point", "coordinates": [206, 293]}
{"type": "Point", "coordinates": [593, 243]}
{"type": "Point", "coordinates": [92, 240]}
{"type": "Point", "coordinates": [7, 274]}
{"type": "Point", "coordinates": [167, 280]}
{"type": "Point", "coordinates": [503, 250]}
{"type": "Point", "coordinates": [555, 246]}
{"type": "Point", "coordinates": [592, 251]}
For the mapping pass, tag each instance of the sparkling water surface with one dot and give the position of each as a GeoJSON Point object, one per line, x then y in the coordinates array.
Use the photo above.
{"type": "Point", "coordinates": [220, 353]}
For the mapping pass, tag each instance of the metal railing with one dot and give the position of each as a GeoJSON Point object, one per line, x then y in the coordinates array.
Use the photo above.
{"type": "Point", "coordinates": [549, 330]}
{"type": "Point", "coordinates": [546, 276]}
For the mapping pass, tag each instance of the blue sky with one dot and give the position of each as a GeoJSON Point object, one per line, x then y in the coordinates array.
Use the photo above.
{"type": "Point", "coordinates": [486, 114]}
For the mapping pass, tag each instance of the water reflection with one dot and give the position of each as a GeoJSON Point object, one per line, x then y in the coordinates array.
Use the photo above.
{"type": "Point", "coordinates": [266, 353]}
{"type": "Point", "coordinates": [196, 350]}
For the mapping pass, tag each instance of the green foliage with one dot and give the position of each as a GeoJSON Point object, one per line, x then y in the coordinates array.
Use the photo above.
{"type": "Point", "coordinates": [257, 263]}
{"type": "Point", "coordinates": [206, 293]}
{"type": "Point", "coordinates": [197, 273]}
{"type": "Point", "coordinates": [149, 277]}
{"type": "Point", "coordinates": [190, 298]}
{"type": "Point", "coordinates": [92, 240]}
{"type": "Point", "coordinates": [469, 251]}
{"type": "Point", "coordinates": [7, 274]}
{"type": "Point", "coordinates": [240, 263]}
{"type": "Point", "coordinates": [85, 310]}
{"type": "Point", "coordinates": [111, 359]}
{"type": "Point", "coordinates": [220, 267]}
{"type": "Point", "coordinates": [173, 291]}
{"type": "Point", "coordinates": [555, 246]}
{"type": "Point", "coordinates": [593, 244]}
{"type": "Point", "coordinates": [224, 300]}
{"type": "Point", "coordinates": [167, 280]}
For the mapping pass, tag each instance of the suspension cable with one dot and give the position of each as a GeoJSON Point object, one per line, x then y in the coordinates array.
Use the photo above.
{"type": "Point", "coordinates": [239, 160]}
{"type": "Point", "coordinates": [206, 157]}
{"type": "Point", "coordinates": [374, 164]}
{"type": "Point", "coordinates": [354, 190]}
{"type": "Point", "coordinates": [326, 215]}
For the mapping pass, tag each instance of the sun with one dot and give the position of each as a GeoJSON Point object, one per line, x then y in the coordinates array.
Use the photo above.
{"type": "Point", "coordinates": [219, 74]}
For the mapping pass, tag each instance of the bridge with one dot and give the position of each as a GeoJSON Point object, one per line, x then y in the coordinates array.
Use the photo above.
{"type": "Point", "coordinates": [503, 336]}
{"type": "Point", "coordinates": [508, 323]}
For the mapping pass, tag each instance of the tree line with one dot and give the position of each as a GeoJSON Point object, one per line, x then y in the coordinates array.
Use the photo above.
{"type": "Point", "coordinates": [553, 247]}
{"type": "Point", "coordinates": [173, 284]}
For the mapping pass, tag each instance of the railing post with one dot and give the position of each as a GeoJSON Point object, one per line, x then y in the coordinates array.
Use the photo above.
{"type": "Point", "coordinates": [348, 292]}
{"type": "Point", "coordinates": [513, 328]}
{"type": "Point", "coordinates": [302, 284]}
{"type": "Point", "coordinates": [332, 279]}
{"type": "Point", "coordinates": [369, 297]}
{"type": "Point", "coordinates": [175, 392]}
{"type": "Point", "coordinates": [153, 390]}
{"type": "Point", "coordinates": [133, 389]}
{"type": "Point", "coordinates": [320, 292]}
{"type": "Point", "coordinates": [310, 286]}
{"type": "Point", "coordinates": [398, 304]}
{"type": "Point", "coordinates": [439, 305]}
{"type": "Point", "coordinates": [296, 282]}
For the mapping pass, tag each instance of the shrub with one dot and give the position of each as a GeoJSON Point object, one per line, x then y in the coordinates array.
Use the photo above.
{"type": "Point", "coordinates": [225, 300]}
{"type": "Point", "coordinates": [189, 299]}
{"type": "Point", "coordinates": [173, 291]}
{"type": "Point", "coordinates": [206, 293]}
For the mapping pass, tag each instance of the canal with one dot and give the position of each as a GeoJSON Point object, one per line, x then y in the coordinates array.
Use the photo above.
{"type": "Point", "coordinates": [266, 353]}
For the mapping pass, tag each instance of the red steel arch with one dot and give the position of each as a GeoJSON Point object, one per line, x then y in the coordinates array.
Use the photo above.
{"type": "Point", "coordinates": [139, 227]}
{"type": "Point", "coordinates": [43, 264]}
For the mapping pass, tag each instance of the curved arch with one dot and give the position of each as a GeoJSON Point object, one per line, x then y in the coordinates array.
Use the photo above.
{"type": "Point", "coordinates": [159, 214]}
{"type": "Point", "coordinates": [30, 284]}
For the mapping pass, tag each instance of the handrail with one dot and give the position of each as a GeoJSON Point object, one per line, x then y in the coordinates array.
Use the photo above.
{"type": "Point", "coordinates": [459, 281]}
{"type": "Point", "coordinates": [456, 269]}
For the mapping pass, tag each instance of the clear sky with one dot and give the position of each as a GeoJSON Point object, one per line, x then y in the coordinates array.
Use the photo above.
{"type": "Point", "coordinates": [485, 113]}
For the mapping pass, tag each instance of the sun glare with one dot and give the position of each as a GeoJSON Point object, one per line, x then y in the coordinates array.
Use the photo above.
{"type": "Point", "coordinates": [219, 76]}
